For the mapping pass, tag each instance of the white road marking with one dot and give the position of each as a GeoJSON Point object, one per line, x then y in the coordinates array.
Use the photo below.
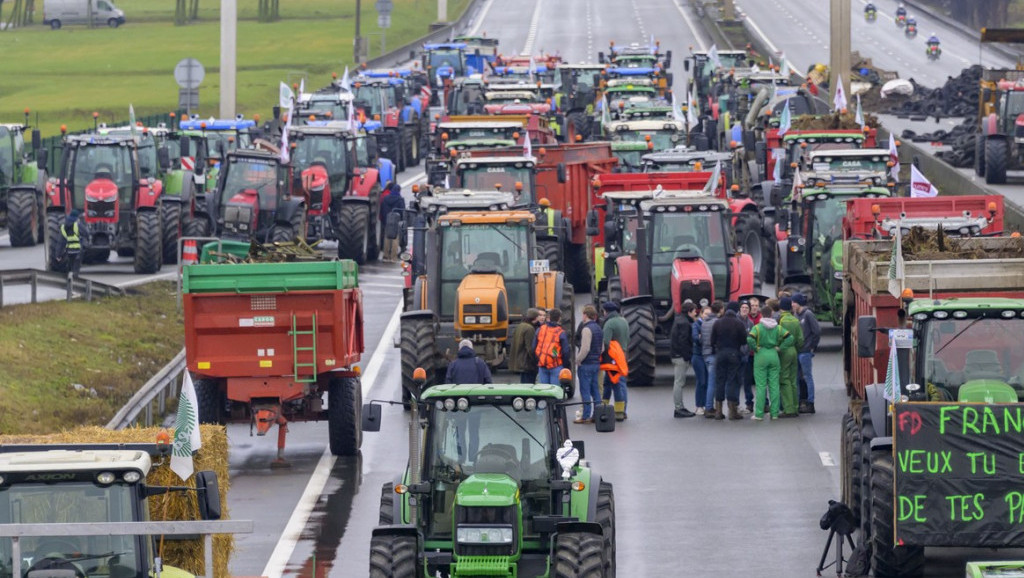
{"type": "Point", "coordinates": [480, 19]}
{"type": "Point", "coordinates": [689, 24]}
{"type": "Point", "coordinates": [826, 459]}
{"type": "Point", "coordinates": [293, 530]}
{"type": "Point", "coordinates": [531, 36]}
{"type": "Point", "coordinates": [397, 285]}
{"type": "Point", "coordinates": [771, 46]}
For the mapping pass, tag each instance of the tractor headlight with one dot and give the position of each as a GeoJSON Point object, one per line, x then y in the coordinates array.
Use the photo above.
{"type": "Point", "coordinates": [469, 319]}
{"type": "Point", "coordinates": [837, 274]}
{"type": "Point", "coordinates": [485, 319]}
{"type": "Point", "coordinates": [462, 404]}
{"type": "Point", "coordinates": [132, 477]}
{"type": "Point", "coordinates": [449, 404]}
{"type": "Point", "coordinates": [492, 535]}
{"type": "Point", "coordinates": [105, 478]}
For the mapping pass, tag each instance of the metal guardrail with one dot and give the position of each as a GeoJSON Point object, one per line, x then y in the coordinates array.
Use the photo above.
{"type": "Point", "coordinates": [35, 277]}
{"type": "Point", "coordinates": [207, 528]}
{"type": "Point", "coordinates": [151, 400]}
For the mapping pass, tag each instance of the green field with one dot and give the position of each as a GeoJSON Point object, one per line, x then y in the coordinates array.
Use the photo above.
{"type": "Point", "coordinates": [66, 75]}
{"type": "Point", "coordinates": [111, 346]}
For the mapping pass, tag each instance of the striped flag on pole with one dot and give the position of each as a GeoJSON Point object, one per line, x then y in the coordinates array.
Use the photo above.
{"type": "Point", "coordinates": [896, 263]}
{"type": "Point", "coordinates": [892, 372]}
{"type": "Point", "coordinates": [186, 430]}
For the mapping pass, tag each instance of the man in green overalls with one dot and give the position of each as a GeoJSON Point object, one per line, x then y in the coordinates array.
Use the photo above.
{"type": "Point", "coordinates": [766, 340]}
{"type": "Point", "coordinates": [789, 366]}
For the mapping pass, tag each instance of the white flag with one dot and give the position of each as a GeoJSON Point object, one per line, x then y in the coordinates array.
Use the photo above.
{"type": "Point", "coordinates": [713, 56]}
{"type": "Point", "coordinates": [654, 50]}
{"type": "Point", "coordinates": [896, 263]}
{"type": "Point", "coordinates": [302, 86]}
{"type": "Point", "coordinates": [892, 372]}
{"type": "Point", "coordinates": [186, 430]}
{"type": "Point", "coordinates": [352, 125]}
{"type": "Point", "coordinates": [346, 83]}
{"type": "Point", "coordinates": [755, 69]}
{"type": "Point", "coordinates": [894, 156]}
{"type": "Point", "coordinates": [606, 117]}
{"type": "Point", "coordinates": [531, 70]}
{"type": "Point", "coordinates": [785, 71]}
{"type": "Point", "coordinates": [920, 186]}
{"type": "Point", "coordinates": [691, 110]}
{"type": "Point", "coordinates": [840, 99]}
{"type": "Point", "coordinates": [677, 113]}
{"type": "Point", "coordinates": [860, 114]}
{"type": "Point", "coordinates": [785, 122]}
{"type": "Point", "coordinates": [716, 176]}
{"type": "Point", "coordinates": [447, 183]}
{"type": "Point", "coordinates": [527, 146]}
{"type": "Point", "coordinates": [779, 159]}
{"type": "Point", "coordinates": [131, 118]}
{"type": "Point", "coordinates": [285, 153]}
{"type": "Point", "coordinates": [286, 96]}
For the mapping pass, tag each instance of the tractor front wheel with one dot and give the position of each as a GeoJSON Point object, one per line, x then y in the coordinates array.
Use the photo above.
{"type": "Point", "coordinates": [888, 559]}
{"type": "Point", "coordinates": [418, 349]}
{"type": "Point", "coordinates": [23, 217]}
{"type": "Point", "coordinates": [344, 403]}
{"type": "Point", "coordinates": [170, 217]}
{"type": "Point", "coordinates": [393, 557]}
{"type": "Point", "coordinates": [641, 354]}
{"type": "Point", "coordinates": [576, 268]}
{"type": "Point", "coordinates": [748, 236]}
{"type": "Point", "coordinates": [548, 249]}
{"type": "Point", "coordinates": [148, 241]}
{"type": "Point", "coordinates": [997, 157]}
{"type": "Point", "coordinates": [55, 244]}
{"type": "Point", "coordinates": [606, 518]}
{"type": "Point", "coordinates": [353, 232]}
{"type": "Point", "coordinates": [579, 555]}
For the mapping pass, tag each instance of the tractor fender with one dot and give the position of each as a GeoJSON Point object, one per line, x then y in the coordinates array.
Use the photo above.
{"type": "Point", "coordinates": [874, 397]}
{"type": "Point", "coordinates": [742, 276]}
{"type": "Point", "coordinates": [628, 275]}
{"type": "Point", "coordinates": [990, 125]}
{"type": "Point", "coordinates": [385, 171]}
{"type": "Point", "coordinates": [418, 289]}
{"type": "Point", "coordinates": [782, 254]}
{"type": "Point", "coordinates": [357, 199]}
{"type": "Point", "coordinates": [881, 443]}
{"type": "Point", "coordinates": [396, 530]}
{"type": "Point", "coordinates": [147, 208]}
{"type": "Point", "coordinates": [548, 289]}
{"type": "Point", "coordinates": [287, 209]}
{"type": "Point", "coordinates": [364, 183]}
{"type": "Point", "coordinates": [29, 174]}
{"type": "Point", "coordinates": [588, 527]}
{"type": "Point", "coordinates": [595, 483]}
{"type": "Point", "coordinates": [149, 194]}
{"type": "Point", "coordinates": [419, 314]}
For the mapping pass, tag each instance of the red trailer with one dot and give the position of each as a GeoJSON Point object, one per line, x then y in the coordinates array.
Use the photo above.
{"type": "Point", "coordinates": [865, 217]}
{"type": "Point", "coordinates": [265, 341]}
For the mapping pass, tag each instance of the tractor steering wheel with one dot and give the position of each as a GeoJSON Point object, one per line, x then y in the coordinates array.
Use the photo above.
{"type": "Point", "coordinates": [496, 453]}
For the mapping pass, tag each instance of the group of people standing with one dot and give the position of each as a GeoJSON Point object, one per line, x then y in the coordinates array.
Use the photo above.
{"type": "Point", "coordinates": [766, 351]}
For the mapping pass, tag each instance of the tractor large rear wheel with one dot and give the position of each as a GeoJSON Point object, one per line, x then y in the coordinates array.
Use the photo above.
{"type": "Point", "coordinates": [576, 268]}
{"type": "Point", "coordinates": [55, 244]}
{"type": "Point", "coordinates": [23, 217]}
{"type": "Point", "coordinates": [640, 357]}
{"type": "Point", "coordinates": [579, 555]}
{"type": "Point", "coordinates": [614, 289]}
{"type": "Point", "coordinates": [170, 218]}
{"type": "Point", "coordinates": [393, 557]}
{"type": "Point", "coordinates": [353, 232]}
{"type": "Point", "coordinates": [979, 155]}
{"type": "Point", "coordinates": [606, 517]}
{"type": "Point", "coordinates": [548, 249]}
{"type": "Point", "coordinates": [210, 399]}
{"type": "Point", "coordinates": [886, 558]}
{"type": "Point", "coordinates": [418, 349]}
{"type": "Point", "coordinates": [344, 404]}
{"type": "Point", "coordinates": [997, 157]}
{"type": "Point", "coordinates": [748, 236]}
{"type": "Point", "coordinates": [148, 242]}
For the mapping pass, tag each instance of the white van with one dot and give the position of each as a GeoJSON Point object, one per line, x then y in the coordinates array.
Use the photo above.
{"type": "Point", "coordinates": [57, 13]}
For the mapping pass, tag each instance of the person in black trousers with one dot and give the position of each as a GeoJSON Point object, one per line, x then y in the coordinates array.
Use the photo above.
{"type": "Point", "coordinates": [728, 336]}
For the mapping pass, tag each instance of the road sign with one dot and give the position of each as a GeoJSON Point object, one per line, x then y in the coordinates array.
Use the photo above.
{"type": "Point", "coordinates": [383, 7]}
{"type": "Point", "coordinates": [188, 99]}
{"type": "Point", "coordinates": [383, 21]}
{"type": "Point", "coordinates": [189, 73]}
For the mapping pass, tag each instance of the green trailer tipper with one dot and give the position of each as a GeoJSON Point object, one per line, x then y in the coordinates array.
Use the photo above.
{"type": "Point", "coordinates": [265, 341]}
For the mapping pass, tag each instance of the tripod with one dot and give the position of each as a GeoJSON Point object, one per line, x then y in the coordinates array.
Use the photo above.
{"type": "Point", "coordinates": [837, 520]}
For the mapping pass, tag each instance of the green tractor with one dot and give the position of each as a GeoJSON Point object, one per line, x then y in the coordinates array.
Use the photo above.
{"type": "Point", "coordinates": [494, 487]}
{"type": "Point", "coordinates": [22, 186]}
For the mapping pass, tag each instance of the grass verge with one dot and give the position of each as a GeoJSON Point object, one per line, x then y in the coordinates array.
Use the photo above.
{"type": "Point", "coordinates": [109, 347]}
{"type": "Point", "coordinates": [66, 75]}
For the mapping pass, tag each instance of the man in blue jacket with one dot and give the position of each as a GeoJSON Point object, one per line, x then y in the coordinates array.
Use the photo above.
{"type": "Point", "coordinates": [467, 367]}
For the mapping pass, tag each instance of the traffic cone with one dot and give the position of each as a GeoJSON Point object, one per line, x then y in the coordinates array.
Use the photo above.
{"type": "Point", "coordinates": [189, 254]}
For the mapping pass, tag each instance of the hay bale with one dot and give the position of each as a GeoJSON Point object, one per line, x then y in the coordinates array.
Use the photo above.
{"type": "Point", "coordinates": [185, 554]}
{"type": "Point", "coordinates": [833, 121]}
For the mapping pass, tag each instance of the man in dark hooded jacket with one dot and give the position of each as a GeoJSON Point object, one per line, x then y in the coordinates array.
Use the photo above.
{"type": "Point", "coordinates": [391, 207]}
{"type": "Point", "coordinates": [467, 367]}
{"type": "Point", "coordinates": [728, 336]}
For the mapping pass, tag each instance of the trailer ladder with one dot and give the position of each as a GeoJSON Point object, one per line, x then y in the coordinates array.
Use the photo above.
{"type": "Point", "coordinates": [299, 346]}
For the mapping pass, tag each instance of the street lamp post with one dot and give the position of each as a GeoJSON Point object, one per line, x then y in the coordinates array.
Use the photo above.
{"type": "Point", "coordinates": [839, 47]}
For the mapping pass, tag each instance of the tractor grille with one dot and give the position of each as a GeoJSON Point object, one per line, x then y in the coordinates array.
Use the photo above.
{"type": "Point", "coordinates": [263, 302]}
{"type": "Point", "coordinates": [476, 309]}
{"type": "Point", "coordinates": [101, 209]}
{"type": "Point", "coordinates": [695, 293]}
{"type": "Point", "coordinates": [483, 516]}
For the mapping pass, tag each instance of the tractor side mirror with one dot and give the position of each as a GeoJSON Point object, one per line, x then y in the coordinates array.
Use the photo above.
{"type": "Point", "coordinates": [562, 177]}
{"type": "Point", "coordinates": [42, 155]}
{"type": "Point", "coordinates": [592, 223]}
{"type": "Point", "coordinates": [611, 233]}
{"type": "Point", "coordinates": [163, 157]}
{"type": "Point", "coordinates": [185, 143]}
{"type": "Point", "coordinates": [686, 65]}
{"type": "Point", "coordinates": [37, 139]}
{"type": "Point", "coordinates": [866, 325]}
{"type": "Point", "coordinates": [277, 112]}
{"type": "Point", "coordinates": [208, 493]}
{"type": "Point", "coordinates": [668, 60]}
{"type": "Point", "coordinates": [371, 417]}
{"type": "Point", "coordinates": [604, 419]}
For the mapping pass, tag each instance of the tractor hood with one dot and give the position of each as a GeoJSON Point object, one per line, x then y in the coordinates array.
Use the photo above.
{"type": "Point", "coordinates": [101, 190]}
{"type": "Point", "coordinates": [487, 490]}
{"type": "Point", "coordinates": [482, 308]}
{"type": "Point", "coordinates": [987, 391]}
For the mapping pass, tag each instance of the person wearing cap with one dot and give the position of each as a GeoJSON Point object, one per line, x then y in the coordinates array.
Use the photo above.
{"type": "Point", "coordinates": [72, 243]}
{"type": "Point", "coordinates": [615, 328]}
{"type": "Point", "coordinates": [789, 393]}
{"type": "Point", "coordinates": [521, 359]}
{"type": "Point", "coordinates": [805, 356]}
{"type": "Point", "coordinates": [467, 367]}
{"type": "Point", "coordinates": [728, 336]}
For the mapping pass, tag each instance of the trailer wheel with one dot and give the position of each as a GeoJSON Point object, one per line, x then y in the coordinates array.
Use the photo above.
{"type": "Point", "coordinates": [170, 216]}
{"type": "Point", "coordinates": [55, 244]}
{"type": "Point", "coordinates": [886, 559]}
{"type": "Point", "coordinates": [418, 350]}
{"type": "Point", "coordinates": [197, 226]}
{"type": "Point", "coordinates": [353, 232]}
{"type": "Point", "coordinates": [997, 153]}
{"type": "Point", "coordinates": [548, 249]}
{"type": "Point", "coordinates": [641, 354]}
{"type": "Point", "coordinates": [393, 557]}
{"type": "Point", "coordinates": [210, 399]}
{"type": "Point", "coordinates": [148, 241]}
{"type": "Point", "coordinates": [23, 217]}
{"type": "Point", "coordinates": [576, 268]}
{"type": "Point", "coordinates": [343, 412]}
{"type": "Point", "coordinates": [606, 517]}
{"type": "Point", "coordinates": [579, 555]}
{"type": "Point", "coordinates": [748, 235]}
{"type": "Point", "coordinates": [387, 505]}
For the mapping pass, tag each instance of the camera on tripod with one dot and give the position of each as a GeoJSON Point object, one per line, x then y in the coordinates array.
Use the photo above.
{"type": "Point", "coordinates": [838, 518]}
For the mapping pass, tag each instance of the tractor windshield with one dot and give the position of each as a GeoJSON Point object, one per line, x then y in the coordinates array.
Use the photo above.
{"type": "Point", "coordinates": [446, 57]}
{"type": "Point", "coordinates": [466, 99]}
{"type": "Point", "coordinates": [327, 150]}
{"type": "Point", "coordinates": [367, 97]}
{"type": "Point", "coordinates": [1012, 105]}
{"type": "Point", "coordinates": [955, 351]}
{"type": "Point", "coordinates": [825, 219]}
{"type": "Point", "coordinates": [491, 246]}
{"type": "Point", "coordinates": [629, 159]}
{"type": "Point", "coordinates": [662, 139]}
{"type": "Point", "coordinates": [101, 163]}
{"type": "Point", "coordinates": [249, 175]}
{"type": "Point", "coordinates": [73, 502]}
{"type": "Point", "coordinates": [486, 176]}
{"type": "Point", "coordinates": [326, 108]}
{"type": "Point", "coordinates": [699, 234]}
{"type": "Point", "coordinates": [492, 439]}
{"type": "Point", "coordinates": [148, 163]}
{"type": "Point", "coordinates": [228, 140]}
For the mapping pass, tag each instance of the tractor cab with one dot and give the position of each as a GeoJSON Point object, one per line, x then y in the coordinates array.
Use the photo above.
{"type": "Point", "coordinates": [323, 163]}
{"type": "Point", "coordinates": [253, 199]}
{"type": "Point", "coordinates": [480, 51]}
{"type": "Point", "coordinates": [578, 86]}
{"type": "Point", "coordinates": [663, 134]}
{"type": "Point", "coordinates": [460, 136]}
{"type": "Point", "coordinates": [445, 61]}
{"type": "Point", "coordinates": [220, 135]}
{"type": "Point", "coordinates": [323, 105]}
{"type": "Point", "coordinates": [513, 174]}
{"type": "Point", "coordinates": [466, 96]}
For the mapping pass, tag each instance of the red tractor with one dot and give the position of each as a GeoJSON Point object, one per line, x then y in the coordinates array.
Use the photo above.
{"type": "Point", "coordinates": [384, 99]}
{"type": "Point", "coordinates": [663, 247]}
{"type": "Point", "coordinates": [117, 209]}
{"type": "Point", "coordinates": [342, 199]}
